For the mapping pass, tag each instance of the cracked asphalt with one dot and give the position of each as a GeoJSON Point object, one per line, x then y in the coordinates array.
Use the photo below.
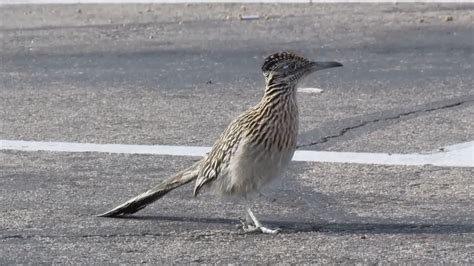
{"type": "Point", "coordinates": [178, 74]}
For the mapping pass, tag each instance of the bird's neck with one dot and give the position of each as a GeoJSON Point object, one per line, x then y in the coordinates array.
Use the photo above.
{"type": "Point", "coordinates": [279, 92]}
{"type": "Point", "coordinates": [280, 97]}
{"type": "Point", "coordinates": [278, 109]}
{"type": "Point", "coordinates": [279, 89]}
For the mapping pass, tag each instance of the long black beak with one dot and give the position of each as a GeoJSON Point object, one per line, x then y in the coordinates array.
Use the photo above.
{"type": "Point", "coordinates": [315, 66]}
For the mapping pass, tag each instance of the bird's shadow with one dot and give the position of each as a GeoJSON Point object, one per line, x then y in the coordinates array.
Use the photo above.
{"type": "Point", "coordinates": [327, 227]}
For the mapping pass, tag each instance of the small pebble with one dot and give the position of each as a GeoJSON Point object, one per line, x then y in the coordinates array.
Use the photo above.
{"type": "Point", "coordinates": [448, 18]}
{"type": "Point", "coordinates": [249, 17]}
{"type": "Point", "coordinates": [79, 11]}
{"type": "Point", "coordinates": [421, 20]}
{"type": "Point", "coordinates": [310, 90]}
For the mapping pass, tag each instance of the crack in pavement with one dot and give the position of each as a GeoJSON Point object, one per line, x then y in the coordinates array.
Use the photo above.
{"type": "Point", "coordinates": [343, 131]}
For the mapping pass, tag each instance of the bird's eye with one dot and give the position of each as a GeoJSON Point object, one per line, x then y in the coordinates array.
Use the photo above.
{"type": "Point", "coordinates": [292, 67]}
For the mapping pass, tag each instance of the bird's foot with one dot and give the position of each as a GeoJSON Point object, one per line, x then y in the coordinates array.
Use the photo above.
{"type": "Point", "coordinates": [250, 228]}
{"type": "Point", "coordinates": [262, 229]}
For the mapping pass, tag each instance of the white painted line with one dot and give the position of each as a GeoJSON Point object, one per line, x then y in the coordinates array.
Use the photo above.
{"type": "Point", "coordinates": [20, 145]}
{"type": "Point", "coordinates": [459, 155]}
{"type": "Point", "coordinates": [20, 2]}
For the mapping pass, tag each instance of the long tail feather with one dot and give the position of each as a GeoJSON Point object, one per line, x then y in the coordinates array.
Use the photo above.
{"type": "Point", "coordinates": [141, 201]}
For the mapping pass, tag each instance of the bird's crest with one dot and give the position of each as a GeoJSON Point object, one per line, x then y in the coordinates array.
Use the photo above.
{"type": "Point", "coordinates": [275, 59]}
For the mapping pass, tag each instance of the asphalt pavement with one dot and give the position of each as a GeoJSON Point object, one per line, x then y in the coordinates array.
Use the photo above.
{"type": "Point", "coordinates": [178, 74]}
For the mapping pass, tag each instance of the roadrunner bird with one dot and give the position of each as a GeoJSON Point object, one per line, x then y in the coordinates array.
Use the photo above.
{"type": "Point", "coordinates": [254, 149]}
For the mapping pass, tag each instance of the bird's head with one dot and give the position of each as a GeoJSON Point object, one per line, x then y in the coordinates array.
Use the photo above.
{"type": "Point", "coordinates": [289, 68]}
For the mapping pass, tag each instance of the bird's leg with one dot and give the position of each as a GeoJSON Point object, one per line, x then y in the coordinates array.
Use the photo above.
{"type": "Point", "coordinates": [257, 226]}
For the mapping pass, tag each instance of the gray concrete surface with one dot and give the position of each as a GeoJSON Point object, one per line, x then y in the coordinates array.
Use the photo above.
{"type": "Point", "coordinates": [177, 74]}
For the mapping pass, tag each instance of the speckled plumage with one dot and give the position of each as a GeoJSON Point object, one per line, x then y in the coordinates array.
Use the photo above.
{"type": "Point", "coordinates": [255, 148]}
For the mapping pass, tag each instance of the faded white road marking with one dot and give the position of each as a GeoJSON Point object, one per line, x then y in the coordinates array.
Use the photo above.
{"type": "Point", "coordinates": [20, 145]}
{"type": "Point", "coordinates": [17, 2]}
{"type": "Point", "coordinates": [459, 155]}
